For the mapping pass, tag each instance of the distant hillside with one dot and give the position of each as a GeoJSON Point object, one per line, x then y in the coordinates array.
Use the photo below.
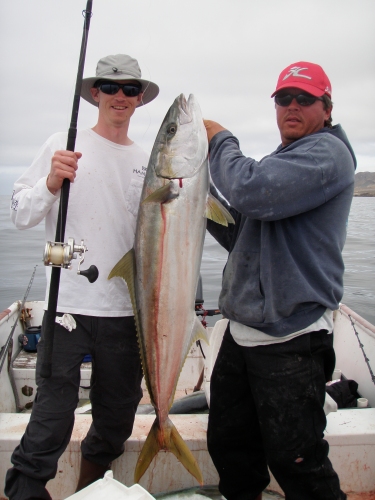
{"type": "Point", "coordinates": [364, 184]}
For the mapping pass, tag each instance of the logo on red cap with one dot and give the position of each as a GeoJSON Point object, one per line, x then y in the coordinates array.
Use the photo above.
{"type": "Point", "coordinates": [295, 72]}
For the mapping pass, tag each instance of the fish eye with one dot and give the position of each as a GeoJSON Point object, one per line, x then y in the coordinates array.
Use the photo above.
{"type": "Point", "coordinates": [172, 129]}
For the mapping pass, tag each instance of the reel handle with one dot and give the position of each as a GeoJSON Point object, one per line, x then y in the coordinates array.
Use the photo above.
{"type": "Point", "coordinates": [91, 273]}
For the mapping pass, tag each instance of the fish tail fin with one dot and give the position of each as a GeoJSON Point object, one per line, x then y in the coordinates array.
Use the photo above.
{"type": "Point", "coordinates": [150, 449]}
{"type": "Point", "coordinates": [180, 449]}
{"type": "Point", "coordinates": [166, 438]}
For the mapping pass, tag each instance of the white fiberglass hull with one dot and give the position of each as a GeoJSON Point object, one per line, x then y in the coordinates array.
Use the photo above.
{"type": "Point", "coordinates": [350, 432]}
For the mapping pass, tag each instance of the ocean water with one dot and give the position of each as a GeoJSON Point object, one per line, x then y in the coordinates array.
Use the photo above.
{"type": "Point", "coordinates": [21, 251]}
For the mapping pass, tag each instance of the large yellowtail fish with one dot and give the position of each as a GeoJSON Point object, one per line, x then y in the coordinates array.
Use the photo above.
{"type": "Point", "coordinates": [162, 270]}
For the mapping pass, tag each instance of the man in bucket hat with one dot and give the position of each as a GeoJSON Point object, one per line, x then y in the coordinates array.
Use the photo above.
{"type": "Point", "coordinates": [281, 284]}
{"type": "Point", "coordinates": [106, 172]}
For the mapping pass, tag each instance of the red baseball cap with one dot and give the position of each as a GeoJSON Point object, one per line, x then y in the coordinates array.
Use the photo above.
{"type": "Point", "coordinates": [305, 76]}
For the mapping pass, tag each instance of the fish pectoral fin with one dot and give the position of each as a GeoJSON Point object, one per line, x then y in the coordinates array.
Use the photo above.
{"type": "Point", "coordinates": [199, 332]}
{"type": "Point", "coordinates": [126, 269]}
{"type": "Point", "coordinates": [217, 212]}
{"type": "Point", "coordinates": [164, 194]}
{"type": "Point", "coordinates": [167, 438]}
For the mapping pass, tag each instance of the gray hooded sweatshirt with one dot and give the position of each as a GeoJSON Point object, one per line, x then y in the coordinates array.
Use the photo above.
{"type": "Point", "coordinates": [285, 266]}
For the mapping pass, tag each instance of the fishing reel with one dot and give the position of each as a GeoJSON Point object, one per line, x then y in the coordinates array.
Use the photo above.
{"type": "Point", "coordinates": [61, 254]}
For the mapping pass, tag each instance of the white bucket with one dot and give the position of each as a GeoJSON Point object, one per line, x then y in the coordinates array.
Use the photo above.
{"type": "Point", "coordinates": [106, 488]}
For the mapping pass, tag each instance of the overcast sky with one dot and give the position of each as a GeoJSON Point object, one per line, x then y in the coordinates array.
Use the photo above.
{"type": "Point", "coordinates": [228, 53]}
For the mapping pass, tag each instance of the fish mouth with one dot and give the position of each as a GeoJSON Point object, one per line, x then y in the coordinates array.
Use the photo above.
{"type": "Point", "coordinates": [182, 144]}
{"type": "Point", "coordinates": [186, 107]}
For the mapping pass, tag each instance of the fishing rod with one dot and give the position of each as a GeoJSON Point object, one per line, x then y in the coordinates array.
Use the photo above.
{"type": "Point", "coordinates": [9, 340]}
{"type": "Point", "coordinates": [57, 254]}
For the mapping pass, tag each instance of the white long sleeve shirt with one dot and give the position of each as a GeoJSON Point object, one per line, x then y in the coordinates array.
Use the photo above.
{"type": "Point", "coordinates": [103, 206]}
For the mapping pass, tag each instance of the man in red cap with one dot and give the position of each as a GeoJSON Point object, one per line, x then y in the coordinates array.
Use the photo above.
{"type": "Point", "coordinates": [281, 284]}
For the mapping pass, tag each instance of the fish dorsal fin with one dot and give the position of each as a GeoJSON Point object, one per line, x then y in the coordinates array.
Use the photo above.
{"type": "Point", "coordinates": [217, 212]}
{"type": "Point", "coordinates": [164, 194]}
{"type": "Point", "coordinates": [126, 269]}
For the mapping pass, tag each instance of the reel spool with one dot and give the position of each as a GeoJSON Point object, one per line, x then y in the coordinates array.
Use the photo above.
{"type": "Point", "coordinates": [58, 254]}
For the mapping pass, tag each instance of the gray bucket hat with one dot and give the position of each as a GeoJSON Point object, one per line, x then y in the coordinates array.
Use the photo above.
{"type": "Point", "coordinates": [119, 67]}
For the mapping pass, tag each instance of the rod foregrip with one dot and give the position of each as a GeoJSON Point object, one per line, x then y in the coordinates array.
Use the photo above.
{"type": "Point", "coordinates": [49, 323]}
{"type": "Point", "coordinates": [48, 336]}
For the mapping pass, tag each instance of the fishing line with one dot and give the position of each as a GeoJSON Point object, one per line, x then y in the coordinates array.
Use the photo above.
{"type": "Point", "coordinates": [148, 114]}
{"type": "Point", "coordinates": [367, 360]}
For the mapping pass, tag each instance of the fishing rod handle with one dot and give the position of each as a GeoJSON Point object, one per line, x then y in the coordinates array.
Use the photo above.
{"type": "Point", "coordinates": [49, 323]}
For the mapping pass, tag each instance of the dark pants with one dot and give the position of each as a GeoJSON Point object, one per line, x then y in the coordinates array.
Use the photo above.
{"type": "Point", "coordinates": [115, 394]}
{"type": "Point", "coordinates": [267, 409]}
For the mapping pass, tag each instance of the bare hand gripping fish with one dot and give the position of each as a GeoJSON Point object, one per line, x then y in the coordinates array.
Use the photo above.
{"type": "Point", "coordinates": [162, 270]}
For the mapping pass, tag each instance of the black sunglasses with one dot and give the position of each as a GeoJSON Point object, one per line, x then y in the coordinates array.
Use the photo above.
{"type": "Point", "coordinates": [129, 89]}
{"type": "Point", "coordinates": [302, 99]}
